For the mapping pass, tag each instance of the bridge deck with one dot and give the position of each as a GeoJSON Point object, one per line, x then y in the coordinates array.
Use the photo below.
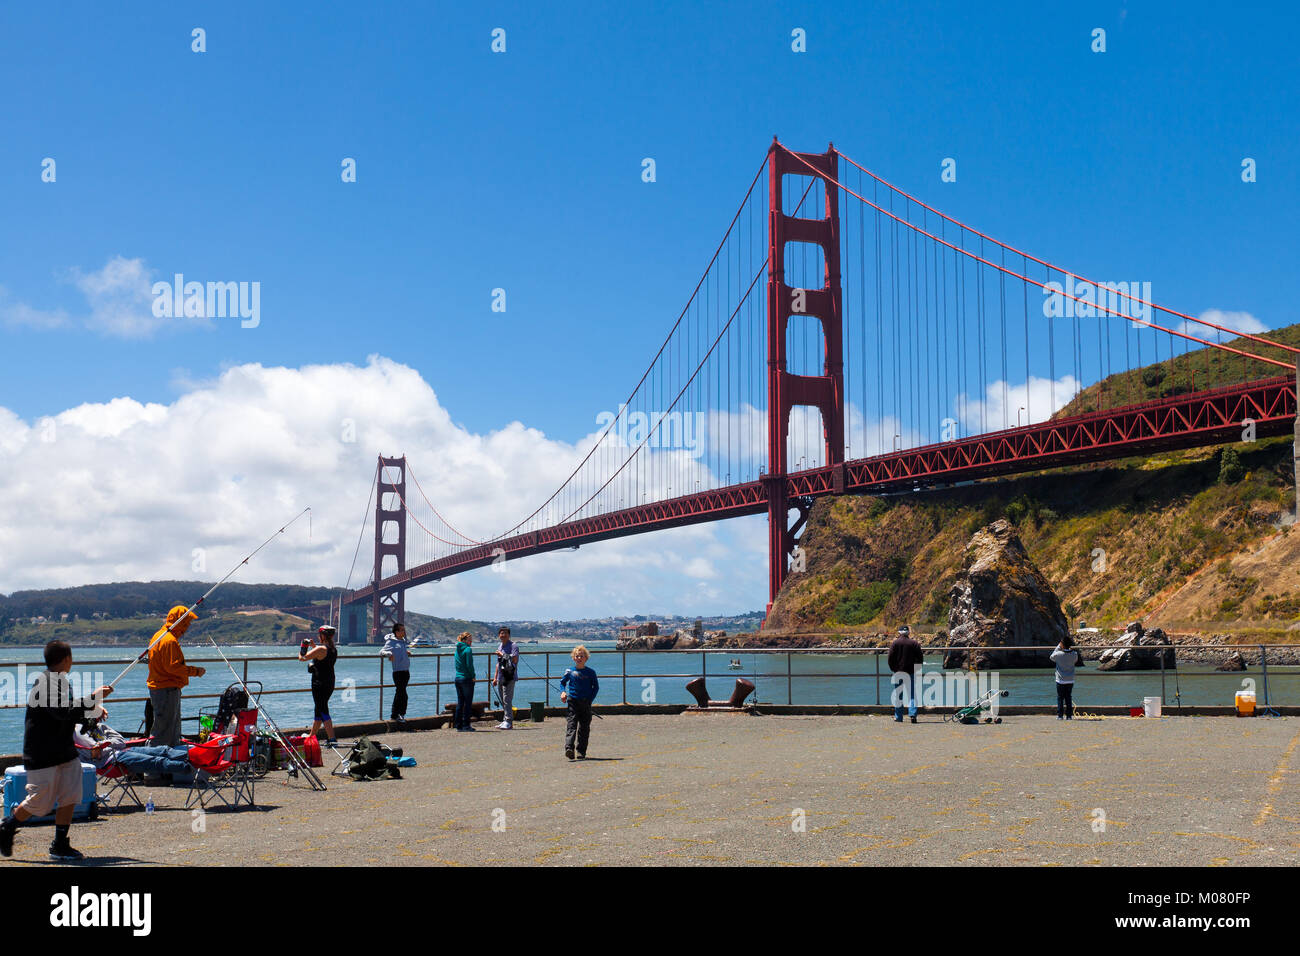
{"type": "Point", "coordinates": [721, 789]}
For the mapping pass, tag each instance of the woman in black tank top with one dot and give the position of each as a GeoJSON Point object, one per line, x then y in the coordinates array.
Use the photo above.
{"type": "Point", "coordinates": [322, 656]}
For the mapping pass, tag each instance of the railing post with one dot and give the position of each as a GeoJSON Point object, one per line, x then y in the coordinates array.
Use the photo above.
{"type": "Point", "coordinates": [1263, 663]}
{"type": "Point", "coordinates": [381, 687]}
{"type": "Point", "coordinates": [548, 678]}
{"type": "Point", "coordinates": [245, 671]}
{"type": "Point", "coordinates": [877, 656]}
{"type": "Point", "coordinates": [625, 678]}
{"type": "Point", "coordinates": [1162, 678]}
{"type": "Point", "coordinates": [789, 681]}
{"type": "Point", "coordinates": [437, 685]}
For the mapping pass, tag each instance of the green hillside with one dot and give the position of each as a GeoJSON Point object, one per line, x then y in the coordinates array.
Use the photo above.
{"type": "Point", "coordinates": [1200, 368]}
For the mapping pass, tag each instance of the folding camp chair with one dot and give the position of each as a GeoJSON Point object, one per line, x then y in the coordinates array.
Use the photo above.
{"type": "Point", "coordinates": [115, 779]}
{"type": "Point", "coordinates": [224, 766]}
{"type": "Point", "coordinates": [118, 788]}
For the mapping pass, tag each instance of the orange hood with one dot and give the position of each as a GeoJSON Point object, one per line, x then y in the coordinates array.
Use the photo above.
{"type": "Point", "coordinates": [176, 614]}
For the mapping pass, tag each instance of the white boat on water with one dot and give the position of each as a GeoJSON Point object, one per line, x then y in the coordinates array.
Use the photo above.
{"type": "Point", "coordinates": [735, 665]}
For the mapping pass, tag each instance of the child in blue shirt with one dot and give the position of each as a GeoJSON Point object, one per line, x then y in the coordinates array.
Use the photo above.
{"type": "Point", "coordinates": [580, 688]}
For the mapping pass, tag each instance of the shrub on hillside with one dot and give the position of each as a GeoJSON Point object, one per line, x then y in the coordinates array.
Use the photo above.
{"type": "Point", "coordinates": [862, 604]}
{"type": "Point", "coordinates": [1231, 470]}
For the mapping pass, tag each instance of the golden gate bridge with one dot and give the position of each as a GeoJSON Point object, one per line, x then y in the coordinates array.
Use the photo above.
{"type": "Point", "coordinates": [847, 338]}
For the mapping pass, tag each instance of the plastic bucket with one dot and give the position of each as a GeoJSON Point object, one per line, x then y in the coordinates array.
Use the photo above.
{"type": "Point", "coordinates": [1136, 711]}
{"type": "Point", "coordinates": [1245, 702]}
{"type": "Point", "coordinates": [537, 711]}
{"type": "Point", "coordinates": [1151, 705]}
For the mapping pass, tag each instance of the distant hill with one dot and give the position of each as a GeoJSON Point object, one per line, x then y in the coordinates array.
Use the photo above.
{"type": "Point", "coordinates": [130, 612]}
{"type": "Point", "coordinates": [133, 598]}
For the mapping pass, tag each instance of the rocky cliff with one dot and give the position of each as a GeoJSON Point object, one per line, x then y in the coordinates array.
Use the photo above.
{"type": "Point", "coordinates": [1178, 540]}
{"type": "Point", "coordinates": [1001, 600]}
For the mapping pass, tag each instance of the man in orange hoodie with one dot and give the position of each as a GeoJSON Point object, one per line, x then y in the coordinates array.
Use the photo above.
{"type": "Point", "coordinates": [168, 673]}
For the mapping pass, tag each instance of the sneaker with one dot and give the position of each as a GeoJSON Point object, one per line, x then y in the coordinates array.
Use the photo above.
{"type": "Point", "coordinates": [898, 720]}
{"type": "Point", "coordinates": [331, 742]}
{"type": "Point", "coordinates": [7, 830]}
{"type": "Point", "coordinates": [471, 729]}
{"type": "Point", "coordinates": [503, 726]}
{"type": "Point", "coordinates": [569, 754]}
{"type": "Point", "coordinates": [582, 756]}
{"type": "Point", "coordinates": [914, 718]}
{"type": "Point", "coordinates": [64, 851]}
{"type": "Point", "coordinates": [397, 718]}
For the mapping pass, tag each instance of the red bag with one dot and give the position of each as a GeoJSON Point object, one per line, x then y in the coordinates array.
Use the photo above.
{"type": "Point", "coordinates": [311, 752]}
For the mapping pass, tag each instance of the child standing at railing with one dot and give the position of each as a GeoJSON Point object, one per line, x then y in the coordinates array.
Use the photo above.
{"type": "Point", "coordinates": [581, 687]}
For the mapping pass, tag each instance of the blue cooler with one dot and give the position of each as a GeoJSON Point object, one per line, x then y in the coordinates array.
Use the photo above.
{"type": "Point", "coordinates": [16, 792]}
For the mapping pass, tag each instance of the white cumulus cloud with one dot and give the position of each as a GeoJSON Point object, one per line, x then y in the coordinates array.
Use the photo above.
{"type": "Point", "coordinates": [123, 490]}
{"type": "Point", "coordinates": [1004, 404]}
{"type": "Point", "coordinates": [118, 302]}
{"type": "Point", "coordinates": [1236, 321]}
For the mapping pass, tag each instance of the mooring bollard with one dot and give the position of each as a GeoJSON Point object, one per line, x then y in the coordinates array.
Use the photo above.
{"type": "Point", "coordinates": [742, 690]}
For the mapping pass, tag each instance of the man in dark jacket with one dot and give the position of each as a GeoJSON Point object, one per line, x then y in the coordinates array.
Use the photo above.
{"type": "Point", "coordinates": [905, 660]}
{"type": "Point", "coordinates": [50, 752]}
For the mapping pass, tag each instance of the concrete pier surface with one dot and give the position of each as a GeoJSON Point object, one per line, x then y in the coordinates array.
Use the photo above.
{"type": "Point", "coordinates": [737, 789]}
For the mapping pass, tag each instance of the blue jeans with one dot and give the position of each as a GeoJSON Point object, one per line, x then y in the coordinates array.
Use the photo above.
{"type": "Point", "coordinates": [1065, 700]}
{"type": "Point", "coordinates": [904, 691]}
{"type": "Point", "coordinates": [464, 702]}
{"type": "Point", "coordinates": [154, 760]}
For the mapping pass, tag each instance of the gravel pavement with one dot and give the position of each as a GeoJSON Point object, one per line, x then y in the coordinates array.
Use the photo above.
{"type": "Point", "coordinates": [732, 789]}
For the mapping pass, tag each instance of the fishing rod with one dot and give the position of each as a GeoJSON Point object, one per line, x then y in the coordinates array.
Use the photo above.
{"type": "Point", "coordinates": [299, 762]}
{"type": "Point", "coordinates": [190, 610]}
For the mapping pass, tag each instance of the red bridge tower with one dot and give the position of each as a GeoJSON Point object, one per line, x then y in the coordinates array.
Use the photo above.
{"type": "Point", "coordinates": [785, 390]}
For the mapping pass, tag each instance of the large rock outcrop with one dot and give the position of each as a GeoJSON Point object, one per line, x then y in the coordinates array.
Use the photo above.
{"type": "Point", "coordinates": [679, 640]}
{"type": "Point", "coordinates": [1000, 600]}
{"type": "Point", "coordinates": [1139, 650]}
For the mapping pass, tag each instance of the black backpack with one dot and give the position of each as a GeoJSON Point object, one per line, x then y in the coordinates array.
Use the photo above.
{"type": "Point", "coordinates": [507, 665]}
{"type": "Point", "coordinates": [369, 760]}
{"type": "Point", "coordinates": [233, 699]}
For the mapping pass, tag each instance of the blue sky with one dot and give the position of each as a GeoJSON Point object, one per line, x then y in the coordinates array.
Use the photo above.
{"type": "Point", "coordinates": [522, 170]}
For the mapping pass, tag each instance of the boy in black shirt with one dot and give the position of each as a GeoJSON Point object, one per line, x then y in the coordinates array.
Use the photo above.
{"type": "Point", "coordinates": [50, 752]}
